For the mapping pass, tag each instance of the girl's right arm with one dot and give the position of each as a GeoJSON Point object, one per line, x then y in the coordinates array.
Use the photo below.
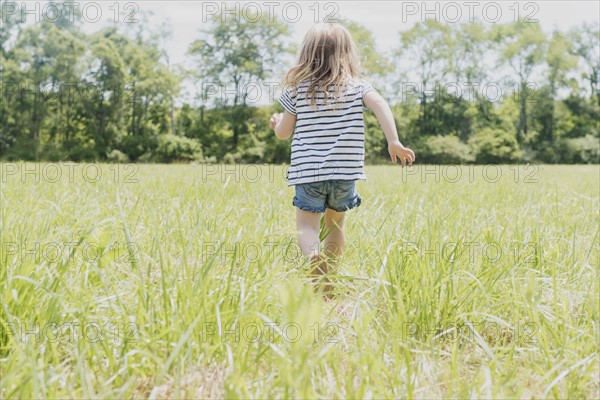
{"type": "Point", "coordinates": [380, 107]}
{"type": "Point", "coordinates": [283, 124]}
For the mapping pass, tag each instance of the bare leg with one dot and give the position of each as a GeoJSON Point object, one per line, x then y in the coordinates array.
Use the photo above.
{"type": "Point", "coordinates": [334, 241]}
{"type": "Point", "coordinates": [333, 244]}
{"type": "Point", "coordinates": [308, 226]}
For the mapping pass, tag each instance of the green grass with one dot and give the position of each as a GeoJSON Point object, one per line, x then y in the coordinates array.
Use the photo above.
{"type": "Point", "coordinates": [447, 289]}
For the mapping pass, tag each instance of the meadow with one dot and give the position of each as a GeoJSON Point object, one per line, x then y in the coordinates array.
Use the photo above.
{"type": "Point", "coordinates": [185, 281]}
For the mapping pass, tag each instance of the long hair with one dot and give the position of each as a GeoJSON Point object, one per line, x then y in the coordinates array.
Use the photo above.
{"type": "Point", "coordinates": [328, 56]}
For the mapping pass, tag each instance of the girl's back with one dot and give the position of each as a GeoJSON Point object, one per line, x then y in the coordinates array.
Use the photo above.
{"type": "Point", "coordinates": [328, 142]}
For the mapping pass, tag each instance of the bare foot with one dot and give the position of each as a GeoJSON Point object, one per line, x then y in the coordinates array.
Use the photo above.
{"type": "Point", "coordinates": [319, 273]}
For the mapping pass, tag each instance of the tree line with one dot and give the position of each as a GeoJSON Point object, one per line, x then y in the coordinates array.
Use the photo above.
{"type": "Point", "coordinates": [460, 93]}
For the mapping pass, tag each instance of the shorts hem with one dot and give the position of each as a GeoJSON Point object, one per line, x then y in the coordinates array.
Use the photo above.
{"type": "Point", "coordinates": [308, 209]}
{"type": "Point", "coordinates": [352, 205]}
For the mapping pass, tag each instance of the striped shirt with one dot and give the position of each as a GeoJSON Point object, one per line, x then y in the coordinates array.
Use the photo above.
{"type": "Point", "coordinates": [329, 142]}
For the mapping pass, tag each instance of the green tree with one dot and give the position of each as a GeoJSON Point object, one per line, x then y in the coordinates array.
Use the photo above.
{"type": "Point", "coordinates": [107, 76]}
{"type": "Point", "coordinates": [372, 61]}
{"type": "Point", "coordinates": [465, 64]}
{"type": "Point", "coordinates": [10, 78]}
{"type": "Point", "coordinates": [135, 90]}
{"type": "Point", "coordinates": [521, 45]}
{"type": "Point", "coordinates": [586, 42]}
{"type": "Point", "coordinates": [560, 62]}
{"type": "Point", "coordinates": [426, 45]}
{"type": "Point", "coordinates": [241, 50]}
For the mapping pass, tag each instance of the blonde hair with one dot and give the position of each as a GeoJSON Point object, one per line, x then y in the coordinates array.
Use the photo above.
{"type": "Point", "coordinates": [328, 56]}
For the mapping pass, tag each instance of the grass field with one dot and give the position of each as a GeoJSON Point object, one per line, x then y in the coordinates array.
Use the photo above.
{"type": "Point", "coordinates": [186, 281]}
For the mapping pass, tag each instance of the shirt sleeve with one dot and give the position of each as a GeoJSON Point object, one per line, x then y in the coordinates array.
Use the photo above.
{"type": "Point", "coordinates": [365, 88]}
{"type": "Point", "coordinates": [288, 100]}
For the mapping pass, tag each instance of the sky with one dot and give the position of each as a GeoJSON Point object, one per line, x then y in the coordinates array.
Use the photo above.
{"type": "Point", "coordinates": [383, 18]}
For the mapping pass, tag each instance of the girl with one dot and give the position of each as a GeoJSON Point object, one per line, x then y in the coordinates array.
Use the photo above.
{"type": "Point", "coordinates": [323, 99]}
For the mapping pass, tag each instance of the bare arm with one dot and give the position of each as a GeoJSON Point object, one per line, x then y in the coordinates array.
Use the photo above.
{"type": "Point", "coordinates": [283, 124]}
{"type": "Point", "coordinates": [382, 111]}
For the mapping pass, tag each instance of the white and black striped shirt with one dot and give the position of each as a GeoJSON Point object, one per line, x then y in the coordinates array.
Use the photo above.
{"type": "Point", "coordinates": [329, 142]}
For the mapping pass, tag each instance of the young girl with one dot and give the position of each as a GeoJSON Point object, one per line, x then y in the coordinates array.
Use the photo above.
{"type": "Point", "coordinates": [323, 99]}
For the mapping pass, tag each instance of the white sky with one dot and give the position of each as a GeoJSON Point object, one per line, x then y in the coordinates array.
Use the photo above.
{"type": "Point", "coordinates": [383, 18]}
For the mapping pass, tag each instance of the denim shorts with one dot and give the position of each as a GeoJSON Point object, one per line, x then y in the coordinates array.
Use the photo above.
{"type": "Point", "coordinates": [339, 195]}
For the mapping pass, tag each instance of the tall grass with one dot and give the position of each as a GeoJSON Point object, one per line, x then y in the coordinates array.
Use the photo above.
{"type": "Point", "coordinates": [186, 281]}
